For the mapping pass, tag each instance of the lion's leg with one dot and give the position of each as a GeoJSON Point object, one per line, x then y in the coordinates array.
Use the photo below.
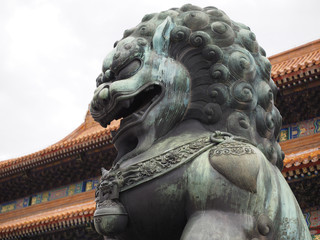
{"type": "Point", "coordinates": [217, 225]}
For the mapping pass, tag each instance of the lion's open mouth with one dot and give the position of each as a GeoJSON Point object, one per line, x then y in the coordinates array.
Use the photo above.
{"type": "Point", "coordinates": [137, 106]}
{"type": "Point", "coordinates": [133, 108]}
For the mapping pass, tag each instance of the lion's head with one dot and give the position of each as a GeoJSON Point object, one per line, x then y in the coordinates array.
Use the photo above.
{"type": "Point", "coordinates": [188, 63]}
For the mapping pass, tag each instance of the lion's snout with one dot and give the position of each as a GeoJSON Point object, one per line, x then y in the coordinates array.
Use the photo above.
{"type": "Point", "coordinates": [99, 102]}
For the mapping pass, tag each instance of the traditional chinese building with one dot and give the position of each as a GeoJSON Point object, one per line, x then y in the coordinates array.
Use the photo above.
{"type": "Point", "coordinates": [50, 194]}
{"type": "Point", "coordinates": [297, 75]}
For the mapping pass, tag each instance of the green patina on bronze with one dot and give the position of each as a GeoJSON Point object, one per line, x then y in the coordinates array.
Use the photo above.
{"type": "Point", "coordinates": [197, 150]}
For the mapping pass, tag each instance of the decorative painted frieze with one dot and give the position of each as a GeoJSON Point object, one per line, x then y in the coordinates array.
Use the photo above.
{"type": "Point", "coordinates": [300, 129]}
{"type": "Point", "coordinates": [51, 195]}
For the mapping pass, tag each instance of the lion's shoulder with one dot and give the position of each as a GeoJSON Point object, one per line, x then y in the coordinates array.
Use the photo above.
{"type": "Point", "coordinates": [238, 162]}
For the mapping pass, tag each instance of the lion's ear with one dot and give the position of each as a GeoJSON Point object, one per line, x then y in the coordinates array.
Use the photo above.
{"type": "Point", "coordinates": [161, 38]}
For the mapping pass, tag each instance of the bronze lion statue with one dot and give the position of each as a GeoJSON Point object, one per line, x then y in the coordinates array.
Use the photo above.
{"type": "Point", "coordinates": [197, 152]}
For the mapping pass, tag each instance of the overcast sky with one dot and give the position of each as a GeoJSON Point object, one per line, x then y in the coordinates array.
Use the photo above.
{"type": "Point", "coordinates": [51, 53]}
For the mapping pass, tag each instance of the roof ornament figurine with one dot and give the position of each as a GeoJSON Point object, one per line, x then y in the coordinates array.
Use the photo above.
{"type": "Point", "coordinates": [197, 150]}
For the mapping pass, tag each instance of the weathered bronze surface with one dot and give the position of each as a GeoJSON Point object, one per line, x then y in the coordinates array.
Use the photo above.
{"type": "Point", "coordinates": [197, 152]}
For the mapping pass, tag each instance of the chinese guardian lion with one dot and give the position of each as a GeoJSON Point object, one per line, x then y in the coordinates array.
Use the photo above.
{"type": "Point", "coordinates": [197, 152]}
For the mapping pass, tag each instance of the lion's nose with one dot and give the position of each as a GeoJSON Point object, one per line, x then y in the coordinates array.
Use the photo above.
{"type": "Point", "coordinates": [101, 97]}
{"type": "Point", "coordinates": [104, 94]}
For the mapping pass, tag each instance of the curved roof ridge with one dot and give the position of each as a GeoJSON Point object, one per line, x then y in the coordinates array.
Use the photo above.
{"type": "Point", "coordinates": [295, 52]}
{"type": "Point", "coordinates": [76, 214]}
{"type": "Point", "coordinates": [294, 59]}
{"type": "Point", "coordinates": [87, 133]}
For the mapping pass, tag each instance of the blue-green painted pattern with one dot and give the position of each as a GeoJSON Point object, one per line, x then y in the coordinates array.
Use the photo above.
{"type": "Point", "coordinates": [300, 129]}
{"type": "Point", "coordinates": [51, 195]}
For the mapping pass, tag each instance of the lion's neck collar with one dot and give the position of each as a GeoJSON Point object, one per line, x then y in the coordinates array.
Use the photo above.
{"type": "Point", "coordinates": [183, 133]}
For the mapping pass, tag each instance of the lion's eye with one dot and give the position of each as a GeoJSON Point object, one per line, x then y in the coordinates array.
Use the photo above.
{"type": "Point", "coordinates": [129, 70]}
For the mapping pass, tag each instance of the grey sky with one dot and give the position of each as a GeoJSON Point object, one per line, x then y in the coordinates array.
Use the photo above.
{"type": "Point", "coordinates": [51, 54]}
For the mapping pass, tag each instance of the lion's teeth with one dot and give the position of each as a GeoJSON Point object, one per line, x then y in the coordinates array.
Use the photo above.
{"type": "Point", "coordinates": [149, 88]}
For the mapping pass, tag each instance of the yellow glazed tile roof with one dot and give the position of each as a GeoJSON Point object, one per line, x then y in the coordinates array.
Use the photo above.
{"type": "Point", "coordinates": [61, 217]}
{"type": "Point", "coordinates": [295, 60]}
{"type": "Point", "coordinates": [58, 214]}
